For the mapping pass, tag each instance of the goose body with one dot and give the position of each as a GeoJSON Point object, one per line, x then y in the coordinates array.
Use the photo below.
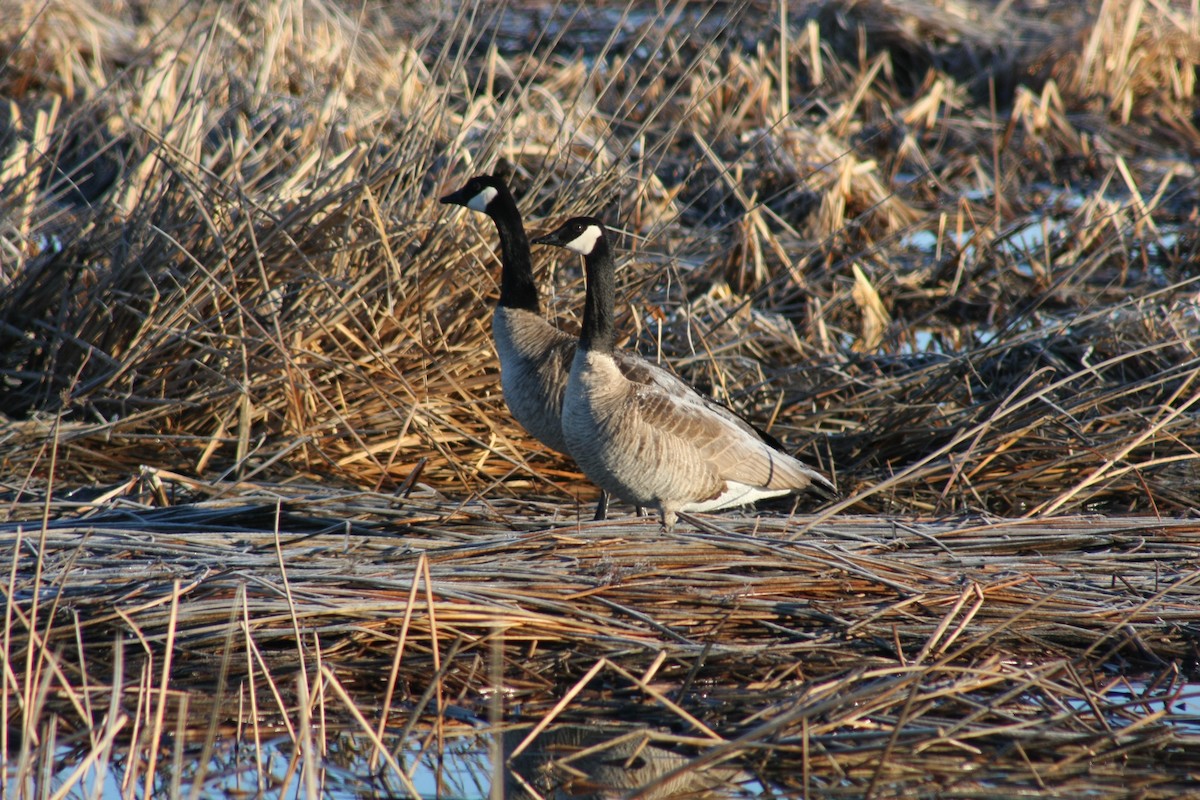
{"type": "Point", "coordinates": [647, 436]}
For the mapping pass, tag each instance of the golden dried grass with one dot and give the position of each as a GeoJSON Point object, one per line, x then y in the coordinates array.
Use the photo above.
{"type": "Point", "coordinates": [225, 278]}
{"type": "Point", "coordinates": [250, 276]}
{"type": "Point", "coordinates": [813, 651]}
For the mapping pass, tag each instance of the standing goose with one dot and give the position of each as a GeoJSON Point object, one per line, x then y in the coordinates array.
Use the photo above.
{"type": "Point", "coordinates": [649, 440]}
{"type": "Point", "coordinates": [535, 356]}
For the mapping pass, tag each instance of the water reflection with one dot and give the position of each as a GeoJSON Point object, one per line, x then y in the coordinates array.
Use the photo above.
{"type": "Point", "coordinates": [568, 761]}
{"type": "Point", "coordinates": [574, 761]}
{"type": "Point", "coordinates": [466, 763]}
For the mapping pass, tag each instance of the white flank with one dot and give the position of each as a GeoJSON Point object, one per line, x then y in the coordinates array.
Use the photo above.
{"type": "Point", "coordinates": [735, 494]}
{"type": "Point", "coordinates": [584, 242]}
{"type": "Point", "coordinates": [480, 201]}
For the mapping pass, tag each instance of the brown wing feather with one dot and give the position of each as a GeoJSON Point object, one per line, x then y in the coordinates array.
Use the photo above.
{"type": "Point", "coordinates": [712, 443]}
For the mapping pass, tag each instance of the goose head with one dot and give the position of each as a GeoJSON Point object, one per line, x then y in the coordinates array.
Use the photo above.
{"type": "Point", "coordinates": [477, 194]}
{"type": "Point", "coordinates": [578, 234]}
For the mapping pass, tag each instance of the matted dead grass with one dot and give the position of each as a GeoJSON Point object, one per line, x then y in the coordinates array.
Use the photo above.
{"type": "Point", "coordinates": [945, 251]}
{"type": "Point", "coordinates": [895, 656]}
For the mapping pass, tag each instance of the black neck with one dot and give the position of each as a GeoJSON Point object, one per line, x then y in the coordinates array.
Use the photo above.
{"type": "Point", "coordinates": [599, 333]}
{"type": "Point", "coordinates": [517, 287]}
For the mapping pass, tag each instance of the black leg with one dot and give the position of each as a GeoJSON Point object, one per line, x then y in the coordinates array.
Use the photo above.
{"type": "Point", "coordinates": [602, 506]}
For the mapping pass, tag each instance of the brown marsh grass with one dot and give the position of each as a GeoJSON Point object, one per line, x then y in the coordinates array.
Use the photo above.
{"type": "Point", "coordinates": [261, 479]}
{"type": "Point", "coordinates": [896, 657]}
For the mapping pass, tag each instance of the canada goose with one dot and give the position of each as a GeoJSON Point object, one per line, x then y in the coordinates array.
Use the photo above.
{"type": "Point", "coordinates": [535, 356]}
{"type": "Point", "coordinates": [652, 441]}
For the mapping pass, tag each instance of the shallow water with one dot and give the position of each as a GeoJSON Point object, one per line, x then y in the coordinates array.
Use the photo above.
{"type": "Point", "coordinates": [559, 764]}
{"type": "Point", "coordinates": [564, 761]}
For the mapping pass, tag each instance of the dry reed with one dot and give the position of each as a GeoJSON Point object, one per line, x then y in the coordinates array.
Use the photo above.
{"type": "Point", "coordinates": [257, 458]}
{"type": "Point", "coordinates": [788, 653]}
{"type": "Point", "coordinates": [251, 277]}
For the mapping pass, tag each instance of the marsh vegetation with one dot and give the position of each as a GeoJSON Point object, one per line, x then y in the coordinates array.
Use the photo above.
{"type": "Point", "coordinates": [261, 484]}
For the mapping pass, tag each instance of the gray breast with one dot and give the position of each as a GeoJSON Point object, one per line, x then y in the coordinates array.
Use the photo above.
{"type": "Point", "coordinates": [535, 361]}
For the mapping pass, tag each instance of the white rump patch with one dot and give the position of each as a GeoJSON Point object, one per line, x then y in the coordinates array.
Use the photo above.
{"type": "Point", "coordinates": [480, 201]}
{"type": "Point", "coordinates": [584, 242]}
{"type": "Point", "coordinates": [735, 494]}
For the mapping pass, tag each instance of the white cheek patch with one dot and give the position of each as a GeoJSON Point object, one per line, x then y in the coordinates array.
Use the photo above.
{"type": "Point", "coordinates": [480, 201]}
{"type": "Point", "coordinates": [584, 242]}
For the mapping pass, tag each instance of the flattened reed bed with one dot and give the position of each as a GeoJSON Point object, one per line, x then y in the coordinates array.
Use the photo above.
{"type": "Point", "coordinates": [780, 640]}
{"type": "Point", "coordinates": [1085, 574]}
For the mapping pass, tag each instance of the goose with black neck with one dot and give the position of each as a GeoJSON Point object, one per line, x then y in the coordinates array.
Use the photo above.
{"type": "Point", "coordinates": [535, 356]}
{"type": "Point", "coordinates": [649, 440]}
